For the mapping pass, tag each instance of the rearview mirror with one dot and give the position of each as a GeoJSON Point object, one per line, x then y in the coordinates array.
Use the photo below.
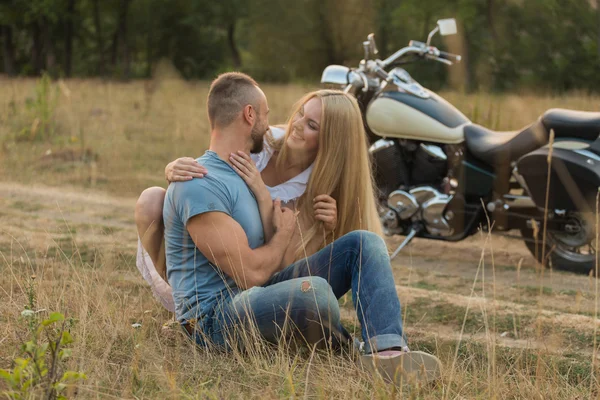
{"type": "Point", "coordinates": [336, 75]}
{"type": "Point", "coordinates": [372, 44]}
{"type": "Point", "coordinates": [447, 26]}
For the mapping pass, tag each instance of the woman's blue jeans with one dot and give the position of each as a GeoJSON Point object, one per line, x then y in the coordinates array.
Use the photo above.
{"type": "Point", "coordinates": [301, 300]}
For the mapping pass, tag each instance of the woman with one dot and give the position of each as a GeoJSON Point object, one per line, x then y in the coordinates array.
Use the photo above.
{"type": "Point", "coordinates": [319, 165]}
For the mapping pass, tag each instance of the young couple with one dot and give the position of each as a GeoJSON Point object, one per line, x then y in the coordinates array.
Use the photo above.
{"type": "Point", "coordinates": [269, 228]}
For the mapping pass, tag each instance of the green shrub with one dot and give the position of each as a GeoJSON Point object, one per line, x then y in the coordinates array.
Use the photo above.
{"type": "Point", "coordinates": [40, 123]}
{"type": "Point", "coordinates": [40, 369]}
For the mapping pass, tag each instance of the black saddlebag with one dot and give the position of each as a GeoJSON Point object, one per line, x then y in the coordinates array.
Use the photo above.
{"type": "Point", "coordinates": [574, 179]}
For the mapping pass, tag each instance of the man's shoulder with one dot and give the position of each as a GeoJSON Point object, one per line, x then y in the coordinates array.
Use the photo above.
{"type": "Point", "coordinates": [198, 196]}
{"type": "Point", "coordinates": [211, 181]}
{"type": "Point", "coordinates": [197, 186]}
{"type": "Point", "coordinates": [220, 183]}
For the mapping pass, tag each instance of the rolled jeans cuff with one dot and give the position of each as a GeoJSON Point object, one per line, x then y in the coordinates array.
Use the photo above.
{"type": "Point", "coordinates": [383, 342]}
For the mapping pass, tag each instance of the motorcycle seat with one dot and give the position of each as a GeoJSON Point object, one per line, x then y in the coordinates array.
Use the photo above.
{"type": "Point", "coordinates": [575, 124]}
{"type": "Point", "coordinates": [498, 148]}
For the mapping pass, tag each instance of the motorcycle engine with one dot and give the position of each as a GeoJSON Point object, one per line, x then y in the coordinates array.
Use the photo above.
{"type": "Point", "coordinates": [424, 204]}
{"type": "Point", "coordinates": [388, 168]}
{"type": "Point", "coordinates": [410, 179]}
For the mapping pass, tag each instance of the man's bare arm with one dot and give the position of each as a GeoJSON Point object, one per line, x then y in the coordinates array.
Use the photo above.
{"type": "Point", "coordinates": [223, 241]}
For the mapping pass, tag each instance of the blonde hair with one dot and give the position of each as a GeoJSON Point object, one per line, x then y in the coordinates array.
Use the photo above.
{"type": "Point", "coordinates": [342, 169]}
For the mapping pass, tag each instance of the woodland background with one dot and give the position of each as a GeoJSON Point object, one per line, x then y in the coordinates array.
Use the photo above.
{"type": "Point", "coordinates": [551, 45]}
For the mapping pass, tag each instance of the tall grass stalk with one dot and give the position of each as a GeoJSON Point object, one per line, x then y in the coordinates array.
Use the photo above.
{"type": "Point", "coordinates": [106, 296]}
{"type": "Point", "coordinates": [593, 378]}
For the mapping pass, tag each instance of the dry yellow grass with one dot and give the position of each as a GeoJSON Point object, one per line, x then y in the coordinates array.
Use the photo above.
{"type": "Point", "coordinates": [135, 129]}
{"type": "Point", "coordinates": [76, 235]}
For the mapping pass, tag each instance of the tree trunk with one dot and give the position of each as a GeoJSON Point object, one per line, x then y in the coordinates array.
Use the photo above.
{"type": "Point", "coordinates": [598, 14]}
{"type": "Point", "coordinates": [383, 23]}
{"type": "Point", "coordinates": [235, 54]}
{"type": "Point", "coordinates": [99, 39]}
{"type": "Point", "coordinates": [426, 25]}
{"type": "Point", "coordinates": [69, 38]}
{"type": "Point", "coordinates": [490, 19]}
{"type": "Point", "coordinates": [114, 48]}
{"type": "Point", "coordinates": [48, 47]}
{"type": "Point", "coordinates": [149, 54]}
{"type": "Point", "coordinates": [120, 46]}
{"type": "Point", "coordinates": [326, 36]}
{"type": "Point", "coordinates": [469, 84]}
{"type": "Point", "coordinates": [124, 41]}
{"type": "Point", "coordinates": [37, 49]}
{"type": "Point", "coordinates": [8, 50]}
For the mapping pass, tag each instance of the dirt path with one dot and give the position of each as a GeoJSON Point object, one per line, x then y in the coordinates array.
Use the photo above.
{"type": "Point", "coordinates": [438, 282]}
{"type": "Point", "coordinates": [501, 265]}
{"type": "Point", "coordinates": [40, 215]}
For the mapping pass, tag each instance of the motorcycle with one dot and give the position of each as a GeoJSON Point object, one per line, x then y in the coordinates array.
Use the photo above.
{"type": "Point", "coordinates": [439, 176]}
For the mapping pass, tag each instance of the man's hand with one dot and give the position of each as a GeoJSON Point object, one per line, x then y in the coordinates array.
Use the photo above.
{"type": "Point", "coordinates": [184, 169]}
{"type": "Point", "coordinates": [284, 219]}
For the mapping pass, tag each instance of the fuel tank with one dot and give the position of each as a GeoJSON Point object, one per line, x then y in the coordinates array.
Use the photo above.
{"type": "Point", "coordinates": [428, 117]}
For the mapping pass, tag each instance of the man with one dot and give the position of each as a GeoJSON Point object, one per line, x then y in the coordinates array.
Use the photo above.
{"type": "Point", "coordinates": [224, 277]}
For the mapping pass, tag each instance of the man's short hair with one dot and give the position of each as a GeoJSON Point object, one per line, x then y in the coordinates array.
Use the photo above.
{"type": "Point", "coordinates": [228, 95]}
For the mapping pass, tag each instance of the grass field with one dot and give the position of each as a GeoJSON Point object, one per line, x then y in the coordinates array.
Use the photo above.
{"type": "Point", "coordinates": [68, 184]}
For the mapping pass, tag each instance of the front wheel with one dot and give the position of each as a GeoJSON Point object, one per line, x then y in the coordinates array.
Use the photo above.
{"type": "Point", "coordinates": [570, 249]}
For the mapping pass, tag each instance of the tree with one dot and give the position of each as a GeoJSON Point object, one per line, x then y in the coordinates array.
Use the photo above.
{"type": "Point", "coordinates": [70, 16]}
{"type": "Point", "coordinates": [120, 46]}
{"type": "Point", "coordinates": [231, 12]}
{"type": "Point", "coordinates": [383, 22]}
{"type": "Point", "coordinates": [505, 45]}
{"type": "Point", "coordinates": [598, 23]}
{"type": "Point", "coordinates": [8, 50]}
{"type": "Point", "coordinates": [101, 68]}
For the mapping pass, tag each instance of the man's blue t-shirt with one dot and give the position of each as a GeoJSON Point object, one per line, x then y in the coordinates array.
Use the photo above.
{"type": "Point", "coordinates": [197, 284]}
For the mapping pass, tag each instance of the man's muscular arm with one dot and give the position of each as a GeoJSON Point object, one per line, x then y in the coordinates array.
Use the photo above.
{"type": "Point", "coordinates": [223, 241]}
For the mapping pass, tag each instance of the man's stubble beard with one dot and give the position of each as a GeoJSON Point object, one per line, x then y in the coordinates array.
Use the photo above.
{"type": "Point", "coordinates": [257, 136]}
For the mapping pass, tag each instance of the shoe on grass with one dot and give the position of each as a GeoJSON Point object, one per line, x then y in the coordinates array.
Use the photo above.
{"type": "Point", "coordinates": [400, 366]}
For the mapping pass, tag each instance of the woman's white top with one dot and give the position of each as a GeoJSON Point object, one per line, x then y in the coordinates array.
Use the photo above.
{"type": "Point", "coordinates": [287, 192]}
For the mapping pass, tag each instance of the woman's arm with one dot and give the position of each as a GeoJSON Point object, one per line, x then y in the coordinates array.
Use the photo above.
{"type": "Point", "coordinates": [265, 206]}
{"type": "Point", "coordinates": [320, 240]}
{"type": "Point", "coordinates": [244, 166]}
{"type": "Point", "coordinates": [325, 210]}
{"type": "Point", "coordinates": [184, 169]}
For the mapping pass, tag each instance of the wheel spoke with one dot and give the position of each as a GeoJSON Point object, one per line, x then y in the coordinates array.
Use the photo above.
{"type": "Point", "coordinates": [571, 244]}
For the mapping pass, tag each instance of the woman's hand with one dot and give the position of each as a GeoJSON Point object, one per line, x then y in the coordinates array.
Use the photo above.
{"type": "Point", "coordinates": [184, 169]}
{"type": "Point", "coordinates": [246, 169]}
{"type": "Point", "coordinates": [325, 210]}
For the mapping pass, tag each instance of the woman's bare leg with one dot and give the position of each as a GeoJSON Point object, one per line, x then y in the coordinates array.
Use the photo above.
{"type": "Point", "coordinates": [150, 226]}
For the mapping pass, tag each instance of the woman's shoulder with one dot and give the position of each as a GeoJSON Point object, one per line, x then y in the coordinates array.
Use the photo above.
{"type": "Point", "coordinates": [277, 132]}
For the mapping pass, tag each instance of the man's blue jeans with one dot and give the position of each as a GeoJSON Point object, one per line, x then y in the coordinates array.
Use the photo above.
{"type": "Point", "coordinates": [301, 300]}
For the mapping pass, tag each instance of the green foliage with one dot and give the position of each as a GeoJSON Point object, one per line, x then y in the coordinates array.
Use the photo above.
{"type": "Point", "coordinates": [40, 369]}
{"type": "Point", "coordinates": [506, 45]}
{"type": "Point", "coordinates": [40, 124]}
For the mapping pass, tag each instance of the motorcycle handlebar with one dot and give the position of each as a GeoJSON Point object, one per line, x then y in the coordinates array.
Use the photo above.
{"type": "Point", "coordinates": [433, 52]}
{"type": "Point", "coordinates": [378, 68]}
{"type": "Point", "coordinates": [380, 72]}
{"type": "Point", "coordinates": [400, 53]}
{"type": "Point", "coordinates": [449, 56]}
{"type": "Point", "coordinates": [438, 59]}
